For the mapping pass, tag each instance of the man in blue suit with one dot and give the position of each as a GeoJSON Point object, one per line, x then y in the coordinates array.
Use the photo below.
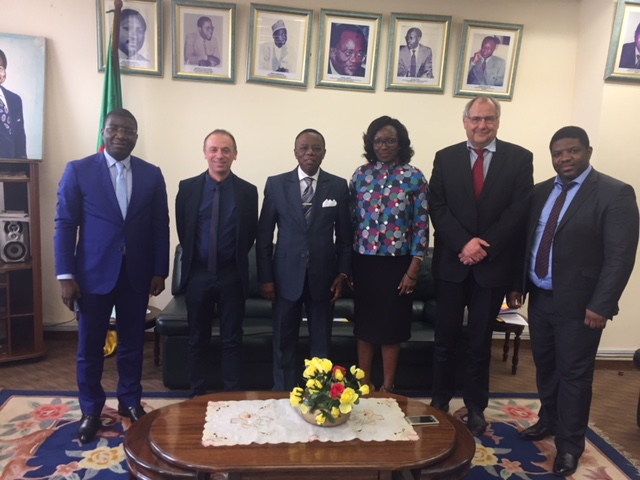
{"type": "Point", "coordinates": [216, 219]}
{"type": "Point", "coordinates": [111, 249]}
{"type": "Point", "coordinates": [310, 207]}
{"type": "Point", "coordinates": [13, 142]}
{"type": "Point", "coordinates": [630, 56]}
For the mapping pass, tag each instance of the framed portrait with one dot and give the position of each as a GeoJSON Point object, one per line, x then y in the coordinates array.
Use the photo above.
{"type": "Point", "coordinates": [140, 37]}
{"type": "Point", "coordinates": [418, 52]}
{"type": "Point", "coordinates": [623, 62]}
{"type": "Point", "coordinates": [279, 45]}
{"type": "Point", "coordinates": [348, 49]}
{"type": "Point", "coordinates": [204, 41]}
{"type": "Point", "coordinates": [488, 59]}
{"type": "Point", "coordinates": [22, 81]}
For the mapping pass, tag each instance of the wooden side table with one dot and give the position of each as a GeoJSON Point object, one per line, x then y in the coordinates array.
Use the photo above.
{"type": "Point", "coordinates": [508, 329]}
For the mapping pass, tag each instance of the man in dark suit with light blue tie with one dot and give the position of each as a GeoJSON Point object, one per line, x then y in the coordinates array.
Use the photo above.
{"type": "Point", "coordinates": [582, 236]}
{"type": "Point", "coordinates": [111, 249]}
{"type": "Point", "coordinates": [312, 256]}
{"type": "Point", "coordinates": [216, 219]}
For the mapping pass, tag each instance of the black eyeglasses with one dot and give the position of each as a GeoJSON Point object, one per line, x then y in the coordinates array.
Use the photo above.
{"type": "Point", "coordinates": [126, 131]}
{"type": "Point", "coordinates": [389, 142]}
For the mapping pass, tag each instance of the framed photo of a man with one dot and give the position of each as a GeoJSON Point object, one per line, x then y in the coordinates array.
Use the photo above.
{"type": "Point", "coordinates": [418, 52]}
{"type": "Point", "coordinates": [279, 45]}
{"type": "Point", "coordinates": [140, 38]}
{"type": "Point", "coordinates": [488, 59]}
{"type": "Point", "coordinates": [22, 80]}
{"type": "Point", "coordinates": [623, 62]}
{"type": "Point", "coordinates": [348, 50]}
{"type": "Point", "coordinates": [204, 41]}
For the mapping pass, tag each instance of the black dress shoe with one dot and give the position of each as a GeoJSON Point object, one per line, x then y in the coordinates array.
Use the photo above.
{"type": "Point", "coordinates": [134, 413]}
{"type": "Point", "coordinates": [476, 423]}
{"type": "Point", "coordinates": [89, 426]}
{"type": "Point", "coordinates": [566, 464]}
{"type": "Point", "coordinates": [536, 432]}
{"type": "Point", "coordinates": [444, 407]}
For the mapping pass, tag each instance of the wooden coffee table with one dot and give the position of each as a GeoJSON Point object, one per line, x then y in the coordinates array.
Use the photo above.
{"type": "Point", "coordinates": [167, 444]}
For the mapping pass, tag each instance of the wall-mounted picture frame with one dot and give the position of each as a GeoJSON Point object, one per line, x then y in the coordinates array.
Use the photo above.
{"type": "Point", "coordinates": [488, 59]}
{"type": "Point", "coordinates": [140, 43]}
{"type": "Point", "coordinates": [204, 41]}
{"type": "Point", "coordinates": [623, 62]}
{"type": "Point", "coordinates": [22, 81]}
{"type": "Point", "coordinates": [418, 46]}
{"type": "Point", "coordinates": [348, 49]}
{"type": "Point", "coordinates": [279, 45]}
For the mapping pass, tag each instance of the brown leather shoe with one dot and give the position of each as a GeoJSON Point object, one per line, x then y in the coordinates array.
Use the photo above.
{"type": "Point", "coordinates": [537, 432]}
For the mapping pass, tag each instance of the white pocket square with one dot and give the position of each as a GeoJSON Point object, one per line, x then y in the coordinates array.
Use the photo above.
{"type": "Point", "coordinates": [329, 203]}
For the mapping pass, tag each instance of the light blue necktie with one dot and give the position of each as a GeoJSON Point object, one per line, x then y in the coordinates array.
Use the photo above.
{"type": "Point", "coordinates": [121, 188]}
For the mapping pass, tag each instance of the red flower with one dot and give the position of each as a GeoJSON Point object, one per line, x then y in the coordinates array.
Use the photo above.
{"type": "Point", "coordinates": [341, 369]}
{"type": "Point", "coordinates": [336, 391]}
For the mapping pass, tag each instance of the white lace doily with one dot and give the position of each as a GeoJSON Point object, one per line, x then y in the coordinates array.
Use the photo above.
{"type": "Point", "coordinates": [276, 421]}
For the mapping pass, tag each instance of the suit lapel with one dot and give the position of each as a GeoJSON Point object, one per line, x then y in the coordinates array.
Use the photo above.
{"type": "Point", "coordinates": [105, 182]}
{"type": "Point", "coordinates": [292, 195]}
{"type": "Point", "coordinates": [239, 205]}
{"type": "Point", "coordinates": [320, 195]}
{"type": "Point", "coordinates": [585, 191]}
{"type": "Point", "coordinates": [462, 164]}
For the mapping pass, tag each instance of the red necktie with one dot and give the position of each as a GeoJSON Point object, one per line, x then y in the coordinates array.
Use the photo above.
{"type": "Point", "coordinates": [478, 172]}
{"type": "Point", "coordinates": [544, 250]}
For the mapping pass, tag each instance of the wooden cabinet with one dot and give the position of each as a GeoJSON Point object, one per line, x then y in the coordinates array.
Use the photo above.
{"type": "Point", "coordinates": [20, 263]}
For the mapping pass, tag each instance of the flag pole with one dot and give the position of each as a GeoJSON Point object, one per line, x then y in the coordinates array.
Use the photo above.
{"type": "Point", "coordinates": [112, 89]}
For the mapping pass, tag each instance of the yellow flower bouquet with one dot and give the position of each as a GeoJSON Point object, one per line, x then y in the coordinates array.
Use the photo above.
{"type": "Point", "coordinates": [330, 391]}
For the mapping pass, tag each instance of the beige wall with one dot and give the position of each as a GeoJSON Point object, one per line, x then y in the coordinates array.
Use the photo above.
{"type": "Point", "coordinates": [559, 82]}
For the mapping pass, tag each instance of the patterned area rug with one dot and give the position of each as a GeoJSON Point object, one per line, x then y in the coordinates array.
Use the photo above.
{"type": "Point", "coordinates": [38, 440]}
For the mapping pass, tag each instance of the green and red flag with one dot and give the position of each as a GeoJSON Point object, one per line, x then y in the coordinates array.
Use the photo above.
{"type": "Point", "coordinates": [112, 90]}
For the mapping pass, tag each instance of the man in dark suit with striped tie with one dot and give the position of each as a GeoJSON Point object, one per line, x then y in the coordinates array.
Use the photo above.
{"type": "Point", "coordinates": [13, 141]}
{"type": "Point", "coordinates": [312, 256]}
{"type": "Point", "coordinates": [581, 242]}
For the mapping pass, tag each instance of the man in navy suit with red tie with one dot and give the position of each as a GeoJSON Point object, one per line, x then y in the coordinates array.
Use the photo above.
{"type": "Point", "coordinates": [582, 235]}
{"type": "Point", "coordinates": [479, 198]}
{"type": "Point", "coordinates": [111, 249]}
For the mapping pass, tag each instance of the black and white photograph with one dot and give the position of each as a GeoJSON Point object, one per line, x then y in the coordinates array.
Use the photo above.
{"type": "Point", "coordinates": [140, 44]}
{"type": "Point", "coordinates": [279, 45]}
{"type": "Point", "coordinates": [418, 47]}
{"type": "Point", "coordinates": [348, 50]}
{"type": "Point", "coordinates": [488, 59]}
{"type": "Point", "coordinates": [203, 41]}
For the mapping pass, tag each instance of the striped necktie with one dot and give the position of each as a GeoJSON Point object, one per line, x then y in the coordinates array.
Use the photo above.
{"type": "Point", "coordinates": [307, 197]}
{"type": "Point", "coordinates": [5, 119]}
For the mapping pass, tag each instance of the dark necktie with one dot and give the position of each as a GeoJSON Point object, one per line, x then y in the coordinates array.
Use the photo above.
{"type": "Point", "coordinates": [484, 66]}
{"type": "Point", "coordinates": [542, 257]}
{"type": "Point", "coordinates": [307, 197]}
{"type": "Point", "coordinates": [478, 172]}
{"type": "Point", "coordinates": [412, 68]}
{"type": "Point", "coordinates": [637, 65]}
{"type": "Point", "coordinates": [4, 116]}
{"type": "Point", "coordinates": [213, 231]}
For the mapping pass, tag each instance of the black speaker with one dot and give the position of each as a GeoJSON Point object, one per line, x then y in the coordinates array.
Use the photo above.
{"type": "Point", "coordinates": [14, 241]}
